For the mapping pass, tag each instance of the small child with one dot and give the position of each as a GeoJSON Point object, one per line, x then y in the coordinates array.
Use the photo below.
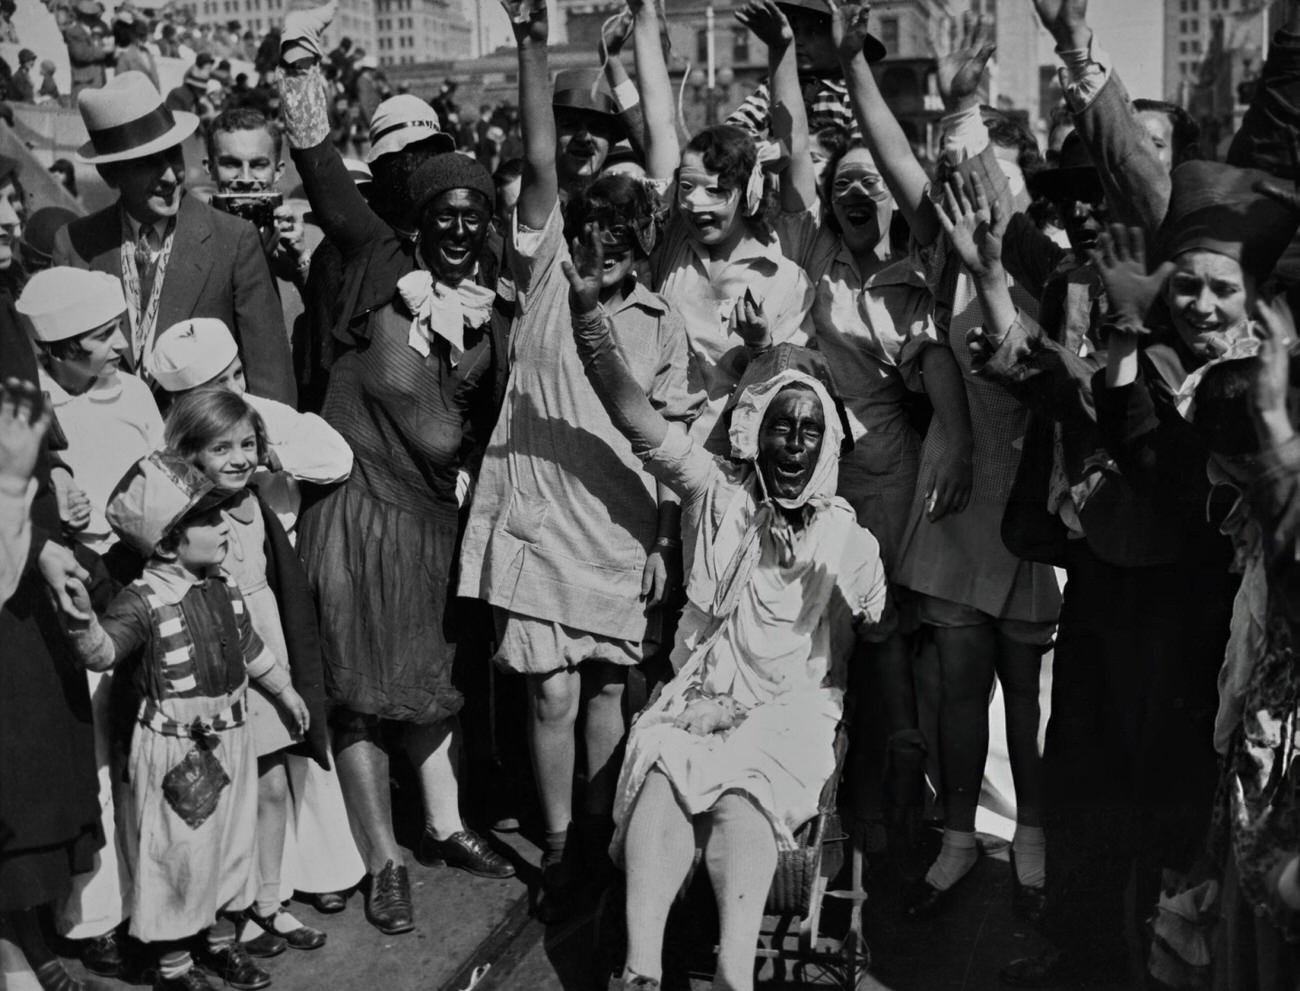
{"type": "Point", "coordinates": [191, 767]}
{"type": "Point", "coordinates": [202, 352]}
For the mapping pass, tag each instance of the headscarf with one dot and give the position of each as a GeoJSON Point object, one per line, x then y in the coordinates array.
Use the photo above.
{"type": "Point", "coordinates": [768, 521]}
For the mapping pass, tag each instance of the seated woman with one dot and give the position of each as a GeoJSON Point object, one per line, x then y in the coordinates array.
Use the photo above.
{"type": "Point", "coordinates": [732, 755]}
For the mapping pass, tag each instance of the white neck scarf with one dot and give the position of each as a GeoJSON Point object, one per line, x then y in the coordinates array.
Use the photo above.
{"type": "Point", "coordinates": [443, 310]}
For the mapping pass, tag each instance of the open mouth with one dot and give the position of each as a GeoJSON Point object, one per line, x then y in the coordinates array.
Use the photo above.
{"type": "Point", "coordinates": [790, 472]}
{"type": "Point", "coordinates": [859, 215]}
{"type": "Point", "coordinates": [455, 254]}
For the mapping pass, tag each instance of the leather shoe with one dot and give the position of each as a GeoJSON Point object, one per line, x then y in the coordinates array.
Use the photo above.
{"type": "Point", "coordinates": [925, 901]}
{"type": "Point", "coordinates": [466, 850]}
{"type": "Point", "coordinates": [1027, 903]}
{"type": "Point", "coordinates": [234, 966]}
{"type": "Point", "coordinates": [1053, 969]}
{"type": "Point", "coordinates": [329, 902]}
{"type": "Point", "coordinates": [295, 934]}
{"type": "Point", "coordinates": [265, 945]}
{"type": "Point", "coordinates": [192, 980]}
{"type": "Point", "coordinates": [388, 902]}
{"type": "Point", "coordinates": [102, 955]}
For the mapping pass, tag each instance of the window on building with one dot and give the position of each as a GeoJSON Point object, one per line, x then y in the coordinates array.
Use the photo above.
{"type": "Point", "coordinates": [740, 45]}
{"type": "Point", "coordinates": [702, 46]}
{"type": "Point", "coordinates": [889, 34]}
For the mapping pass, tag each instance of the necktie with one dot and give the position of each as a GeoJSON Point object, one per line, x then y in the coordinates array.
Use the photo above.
{"type": "Point", "coordinates": [146, 250]}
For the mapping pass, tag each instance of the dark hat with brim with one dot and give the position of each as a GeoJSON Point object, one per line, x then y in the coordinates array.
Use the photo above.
{"type": "Point", "coordinates": [1075, 178]}
{"type": "Point", "coordinates": [873, 48]}
{"type": "Point", "coordinates": [585, 90]}
{"type": "Point", "coordinates": [1215, 207]}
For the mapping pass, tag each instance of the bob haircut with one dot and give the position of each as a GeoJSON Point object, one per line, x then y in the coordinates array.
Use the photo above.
{"type": "Point", "coordinates": [199, 417]}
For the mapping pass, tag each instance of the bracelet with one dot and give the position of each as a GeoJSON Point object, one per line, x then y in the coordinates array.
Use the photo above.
{"type": "Point", "coordinates": [668, 543]}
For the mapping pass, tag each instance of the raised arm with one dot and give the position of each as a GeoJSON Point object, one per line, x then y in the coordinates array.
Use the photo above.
{"type": "Point", "coordinates": [884, 137]}
{"type": "Point", "coordinates": [614, 35]}
{"type": "Point", "coordinates": [789, 117]}
{"type": "Point", "coordinates": [662, 149]}
{"type": "Point", "coordinates": [539, 190]}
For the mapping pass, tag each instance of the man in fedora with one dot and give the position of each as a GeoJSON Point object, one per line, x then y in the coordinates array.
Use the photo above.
{"type": "Point", "coordinates": [177, 257]}
{"type": "Point", "coordinates": [587, 125]}
{"type": "Point", "coordinates": [87, 54]}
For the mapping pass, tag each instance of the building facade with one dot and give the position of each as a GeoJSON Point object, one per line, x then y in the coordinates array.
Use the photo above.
{"type": "Point", "coordinates": [410, 31]}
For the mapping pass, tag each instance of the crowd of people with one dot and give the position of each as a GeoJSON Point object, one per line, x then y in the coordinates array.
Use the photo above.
{"type": "Point", "coordinates": [643, 466]}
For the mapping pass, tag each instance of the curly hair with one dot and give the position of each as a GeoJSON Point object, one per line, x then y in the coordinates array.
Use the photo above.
{"type": "Point", "coordinates": [613, 200]}
{"type": "Point", "coordinates": [730, 151]}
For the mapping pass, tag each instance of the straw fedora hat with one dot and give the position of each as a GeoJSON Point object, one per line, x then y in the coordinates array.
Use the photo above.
{"type": "Point", "coordinates": [126, 119]}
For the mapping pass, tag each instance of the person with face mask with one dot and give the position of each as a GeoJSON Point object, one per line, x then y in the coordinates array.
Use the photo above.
{"type": "Point", "coordinates": [782, 579]}
{"type": "Point", "coordinates": [414, 391]}
{"type": "Point", "coordinates": [567, 538]}
{"type": "Point", "coordinates": [175, 256]}
{"type": "Point", "coordinates": [874, 322]}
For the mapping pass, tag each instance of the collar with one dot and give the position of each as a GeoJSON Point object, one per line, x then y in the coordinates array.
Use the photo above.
{"type": "Point", "coordinates": [171, 582]}
{"type": "Point", "coordinates": [103, 390]}
{"type": "Point", "coordinates": [897, 273]}
{"type": "Point", "coordinates": [765, 256]}
{"type": "Point", "coordinates": [162, 226]}
{"type": "Point", "coordinates": [635, 294]}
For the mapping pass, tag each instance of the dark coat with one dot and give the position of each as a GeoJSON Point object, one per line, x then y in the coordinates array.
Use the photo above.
{"type": "Point", "coordinates": [49, 794]}
{"type": "Point", "coordinates": [217, 269]}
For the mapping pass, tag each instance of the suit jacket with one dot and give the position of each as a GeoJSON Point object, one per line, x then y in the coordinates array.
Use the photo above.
{"type": "Point", "coordinates": [86, 58]}
{"type": "Point", "coordinates": [216, 269]}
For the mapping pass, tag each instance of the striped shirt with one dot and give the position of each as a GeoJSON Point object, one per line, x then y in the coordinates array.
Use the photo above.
{"type": "Point", "coordinates": [829, 107]}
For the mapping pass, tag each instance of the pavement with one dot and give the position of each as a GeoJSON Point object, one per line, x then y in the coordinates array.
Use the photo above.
{"type": "Point", "coordinates": [474, 934]}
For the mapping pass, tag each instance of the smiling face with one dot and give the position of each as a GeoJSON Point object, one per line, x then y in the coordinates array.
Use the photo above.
{"type": "Point", "coordinates": [712, 213]}
{"type": "Point", "coordinates": [12, 211]}
{"type": "Point", "coordinates": [231, 378]}
{"type": "Point", "coordinates": [790, 441]}
{"type": "Point", "coordinates": [244, 161]}
{"type": "Point", "coordinates": [452, 231]}
{"type": "Point", "coordinates": [204, 541]}
{"type": "Point", "coordinates": [98, 356]}
{"type": "Point", "coordinates": [150, 187]}
{"type": "Point", "coordinates": [230, 458]}
{"type": "Point", "coordinates": [860, 201]}
{"type": "Point", "coordinates": [582, 141]}
{"type": "Point", "coordinates": [1209, 298]}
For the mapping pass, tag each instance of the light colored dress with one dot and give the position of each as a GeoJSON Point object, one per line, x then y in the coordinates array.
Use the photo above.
{"type": "Point", "coordinates": [770, 623]}
{"type": "Point", "coordinates": [707, 301]}
{"type": "Point", "coordinates": [563, 515]}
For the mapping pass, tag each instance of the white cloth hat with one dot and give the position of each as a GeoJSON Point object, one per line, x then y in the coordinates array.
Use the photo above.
{"type": "Point", "coordinates": [190, 353]}
{"type": "Point", "coordinates": [64, 302]}
{"type": "Point", "coordinates": [126, 119]}
{"type": "Point", "coordinates": [402, 120]}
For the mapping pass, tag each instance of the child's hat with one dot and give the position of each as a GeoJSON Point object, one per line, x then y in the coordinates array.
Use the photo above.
{"type": "Point", "coordinates": [154, 495]}
{"type": "Point", "coordinates": [64, 302]}
{"type": "Point", "coordinates": [190, 353]}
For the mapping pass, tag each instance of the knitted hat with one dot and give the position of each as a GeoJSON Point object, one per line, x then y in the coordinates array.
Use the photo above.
{"type": "Point", "coordinates": [191, 353]}
{"type": "Point", "coordinates": [1214, 207]}
{"type": "Point", "coordinates": [65, 302]}
{"type": "Point", "coordinates": [450, 170]}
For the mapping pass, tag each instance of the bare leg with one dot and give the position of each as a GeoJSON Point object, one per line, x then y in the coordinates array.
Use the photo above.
{"type": "Point", "coordinates": [740, 854]}
{"type": "Point", "coordinates": [660, 846]}
{"type": "Point", "coordinates": [363, 776]}
{"type": "Point", "coordinates": [435, 752]}
{"type": "Point", "coordinates": [605, 729]}
{"type": "Point", "coordinates": [554, 700]}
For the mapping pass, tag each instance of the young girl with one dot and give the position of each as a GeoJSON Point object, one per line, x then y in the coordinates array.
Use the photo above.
{"type": "Point", "coordinates": [721, 262]}
{"type": "Point", "coordinates": [221, 435]}
{"type": "Point", "coordinates": [191, 764]}
{"type": "Point", "coordinates": [567, 536]}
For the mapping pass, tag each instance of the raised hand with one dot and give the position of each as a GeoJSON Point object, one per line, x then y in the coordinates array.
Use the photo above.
{"type": "Point", "coordinates": [974, 224]}
{"type": "Point", "coordinates": [24, 419]}
{"type": "Point", "coordinates": [584, 272]}
{"type": "Point", "coordinates": [529, 20]}
{"type": "Point", "coordinates": [1275, 328]}
{"type": "Point", "coordinates": [1066, 21]}
{"type": "Point", "coordinates": [963, 51]}
{"type": "Point", "coordinates": [301, 38]}
{"type": "Point", "coordinates": [615, 32]}
{"type": "Point", "coordinates": [765, 19]}
{"type": "Point", "coordinates": [1121, 260]}
{"type": "Point", "coordinates": [750, 322]}
{"type": "Point", "coordinates": [849, 27]}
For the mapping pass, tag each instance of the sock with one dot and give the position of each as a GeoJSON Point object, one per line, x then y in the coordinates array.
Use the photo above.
{"type": "Point", "coordinates": [956, 857]}
{"type": "Point", "coordinates": [174, 963]}
{"type": "Point", "coordinates": [1030, 847]}
{"type": "Point", "coordinates": [220, 934]}
{"type": "Point", "coordinates": [555, 844]}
